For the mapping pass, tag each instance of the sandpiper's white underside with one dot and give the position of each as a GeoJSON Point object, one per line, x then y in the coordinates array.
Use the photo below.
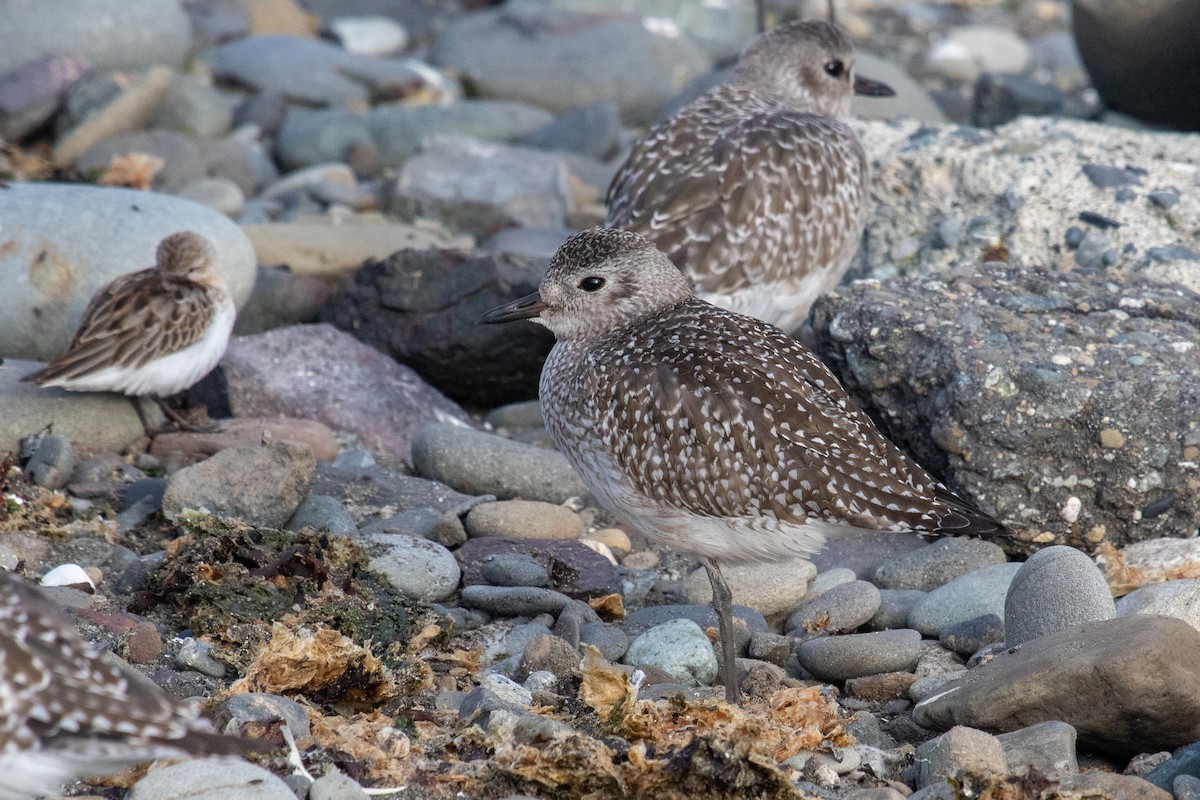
{"type": "Point", "coordinates": [164, 376]}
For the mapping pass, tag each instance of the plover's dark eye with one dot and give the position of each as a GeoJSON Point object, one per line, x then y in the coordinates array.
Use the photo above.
{"type": "Point", "coordinates": [591, 283]}
{"type": "Point", "coordinates": [835, 68]}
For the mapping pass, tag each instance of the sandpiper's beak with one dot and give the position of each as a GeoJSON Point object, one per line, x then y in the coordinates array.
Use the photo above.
{"type": "Point", "coordinates": [528, 306]}
{"type": "Point", "coordinates": [872, 88]}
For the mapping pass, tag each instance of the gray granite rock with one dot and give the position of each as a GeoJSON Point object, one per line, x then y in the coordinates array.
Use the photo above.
{"type": "Point", "coordinates": [523, 519]}
{"type": "Point", "coordinates": [336, 785]}
{"type": "Point", "coordinates": [590, 130]}
{"type": "Point", "coordinates": [258, 485]}
{"type": "Point", "coordinates": [514, 600]}
{"type": "Point", "coordinates": [323, 513]}
{"type": "Point", "coordinates": [1185, 761]}
{"type": "Point", "coordinates": [261, 707]}
{"type": "Point", "coordinates": [611, 641]}
{"type": "Point", "coordinates": [958, 750]}
{"type": "Point", "coordinates": [702, 614]}
{"type": "Point", "coordinates": [1180, 599]}
{"type": "Point", "coordinates": [480, 187]}
{"type": "Point", "coordinates": [559, 59]}
{"type": "Point", "coordinates": [972, 595]}
{"type": "Point", "coordinates": [1047, 747]}
{"type": "Point", "coordinates": [418, 568]}
{"type": "Point", "coordinates": [938, 564]}
{"type": "Point", "coordinates": [1126, 685]}
{"type": "Point", "coordinates": [295, 371]}
{"type": "Point", "coordinates": [52, 463]}
{"type": "Point", "coordinates": [966, 637]}
{"type": "Point", "coordinates": [894, 607]}
{"type": "Point", "coordinates": [843, 607]}
{"type": "Point", "coordinates": [332, 76]}
{"type": "Point", "coordinates": [1057, 588]}
{"type": "Point", "coordinates": [396, 132]}
{"type": "Point", "coordinates": [837, 658]}
{"type": "Point", "coordinates": [149, 32]}
{"type": "Point", "coordinates": [513, 569]}
{"type": "Point", "coordinates": [56, 261]}
{"type": "Point", "coordinates": [482, 463]}
{"type": "Point", "coordinates": [679, 648]}
{"type": "Point", "coordinates": [213, 778]}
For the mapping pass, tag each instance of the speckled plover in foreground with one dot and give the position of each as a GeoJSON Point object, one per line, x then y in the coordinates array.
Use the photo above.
{"type": "Point", "coordinates": [66, 713]}
{"type": "Point", "coordinates": [710, 431]}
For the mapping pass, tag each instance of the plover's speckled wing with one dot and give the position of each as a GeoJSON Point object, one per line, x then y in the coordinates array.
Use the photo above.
{"type": "Point", "coordinates": [65, 713]}
{"type": "Point", "coordinates": [724, 416]}
{"type": "Point", "coordinates": [746, 201]}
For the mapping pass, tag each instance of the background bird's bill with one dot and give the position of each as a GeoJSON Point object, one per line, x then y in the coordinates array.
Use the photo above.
{"type": "Point", "coordinates": [869, 87]}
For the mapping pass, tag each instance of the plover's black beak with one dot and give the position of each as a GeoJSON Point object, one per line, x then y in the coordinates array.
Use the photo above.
{"type": "Point", "coordinates": [528, 306]}
{"type": "Point", "coordinates": [872, 88]}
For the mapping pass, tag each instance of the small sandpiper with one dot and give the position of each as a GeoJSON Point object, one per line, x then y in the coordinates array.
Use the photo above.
{"type": "Point", "coordinates": [65, 713]}
{"type": "Point", "coordinates": [151, 333]}
{"type": "Point", "coordinates": [710, 431]}
{"type": "Point", "coordinates": [758, 189]}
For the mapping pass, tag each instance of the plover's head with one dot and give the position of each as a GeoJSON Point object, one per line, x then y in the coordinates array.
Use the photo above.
{"type": "Point", "coordinates": [811, 63]}
{"type": "Point", "coordinates": [599, 280]}
{"type": "Point", "coordinates": [187, 255]}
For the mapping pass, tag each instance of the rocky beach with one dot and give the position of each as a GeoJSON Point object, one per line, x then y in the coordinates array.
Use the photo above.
{"type": "Point", "coordinates": [375, 550]}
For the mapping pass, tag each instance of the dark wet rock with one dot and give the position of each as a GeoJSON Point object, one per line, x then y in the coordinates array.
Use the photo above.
{"type": "Point", "coordinates": [1184, 762]}
{"type": "Point", "coordinates": [1075, 384]}
{"type": "Point", "coordinates": [422, 307]}
{"type": "Point", "coordinates": [1048, 747]}
{"type": "Point", "coordinates": [261, 486]}
{"type": "Point", "coordinates": [1125, 684]}
{"type": "Point", "coordinates": [960, 749]}
{"type": "Point", "coordinates": [573, 568]}
{"type": "Point", "coordinates": [281, 298]}
{"type": "Point", "coordinates": [1057, 588]}
{"type": "Point", "coordinates": [937, 564]}
{"type": "Point", "coordinates": [1002, 98]}
{"type": "Point", "coordinates": [483, 463]}
{"type": "Point", "coordinates": [1124, 45]}
{"type": "Point", "coordinates": [296, 371]}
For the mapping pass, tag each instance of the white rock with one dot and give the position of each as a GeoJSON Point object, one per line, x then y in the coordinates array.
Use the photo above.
{"type": "Point", "coordinates": [69, 575]}
{"type": "Point", "coordinates": [370, 35]}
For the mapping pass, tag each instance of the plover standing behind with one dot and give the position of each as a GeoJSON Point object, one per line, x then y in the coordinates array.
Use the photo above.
{"type": "Point", "coordinates": [710, 431]}
{"type": "Point", "coordinates": [66, 714]}
{"type": "Point", "coordinates": [151, 333]}
{"type": "Point", "coordinates": [758, 189]}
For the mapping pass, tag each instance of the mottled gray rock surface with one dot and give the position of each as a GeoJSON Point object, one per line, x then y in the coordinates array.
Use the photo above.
{"type": "Point", "coordinates": [1060, 401]}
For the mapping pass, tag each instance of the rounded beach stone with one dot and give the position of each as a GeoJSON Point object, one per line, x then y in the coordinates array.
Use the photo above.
{"type": "Point", "coordinates": [523, 519]}
{"type": "Point", "coordinates": [417, 568]}
{"type": "Point", "coordinates": [1057, 588]}
{"type": "Point", "coordinates": [972, 595]}
{"type": "Point", "coordinates": [679, 648]}
{"type": "Point", "coordinates": [844, 606]}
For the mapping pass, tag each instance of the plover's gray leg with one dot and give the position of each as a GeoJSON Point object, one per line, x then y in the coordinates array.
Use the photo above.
{"type": "Point", "coordinates": [722, 603]}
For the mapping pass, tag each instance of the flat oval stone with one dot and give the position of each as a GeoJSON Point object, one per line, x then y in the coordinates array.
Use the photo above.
{"type": "Point", "coordinates": [844, 606]}
{"type": "Point", "coordinates": [838, 658]}
{"type": "Point", "coordinates": [679, 648]}
{"type": "Point", "coordinates": [972, 595]}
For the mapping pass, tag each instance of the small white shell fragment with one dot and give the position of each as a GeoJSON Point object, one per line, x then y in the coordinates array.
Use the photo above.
{"type": "Point", "coordinates": [71, 575]}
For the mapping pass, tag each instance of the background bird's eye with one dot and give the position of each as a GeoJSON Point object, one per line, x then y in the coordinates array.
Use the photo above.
{"type": "Point", "coordinates": [835, 68]}
{"type": "Point", "coordinates": [591, 283]}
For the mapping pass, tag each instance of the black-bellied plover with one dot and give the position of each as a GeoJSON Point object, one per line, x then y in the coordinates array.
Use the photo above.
{"type": "Point", "coordinates": [710, 431]}
{"type": "Point", "coordinates": [758, 189]}
{"type": "Point", "coordinates": [65, 713]}
{"type": "Point", "coordinates": [151, 333]}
